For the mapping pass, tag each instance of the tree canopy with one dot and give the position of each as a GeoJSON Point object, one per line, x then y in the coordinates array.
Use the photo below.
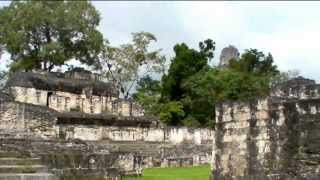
{"type": "Point", "coordinates": [187, 94]}
{"type": "Point", "coordinates": [167, 98]}
{"type": "Point", "coordinates": [124, 65]}
{"type": "Point", "coordinates": [186, 63]}
{"type": "Point", "coordinates": [148, 94]}
{"type": "Point", "coordinates": [254, 61]}
{"type": "Point", "coordinates": [45, 34]}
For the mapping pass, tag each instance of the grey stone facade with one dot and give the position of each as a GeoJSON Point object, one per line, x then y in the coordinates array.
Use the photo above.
{"type": "Point", "coordinates": [26, 117]}
{"type": "Point", "coordinates": [70, 92]}
{"type": "Point", "coordinates": [270, 138]}
{"type": "Point", "coordinates": [83, 144]}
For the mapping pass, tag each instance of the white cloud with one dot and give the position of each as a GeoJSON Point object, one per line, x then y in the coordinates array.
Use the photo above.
{"type": "Point", "coordinates": [288, 30]}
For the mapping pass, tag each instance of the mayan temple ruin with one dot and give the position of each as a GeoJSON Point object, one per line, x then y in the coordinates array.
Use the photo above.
{"type": "Point", "coordinates": [132, 90]}
{"type": "Point", "coordinates": [72, 125]}
{"type": "Point", "coordinates": [228, 53]}
{"type": "Point", "coordinates": [268, 138]}
{"type": "Point", "coordinates": [276, 137]}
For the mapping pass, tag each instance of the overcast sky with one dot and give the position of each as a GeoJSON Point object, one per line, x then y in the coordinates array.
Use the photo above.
{"type": "Point", "coordinates": [290, 31]}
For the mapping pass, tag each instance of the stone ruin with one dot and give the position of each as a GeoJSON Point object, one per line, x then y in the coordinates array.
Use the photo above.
{"type": "Point", "coordinates": [74, 126]}
{"type": "Point", "coordinates": [228, 53]}
{"type": "Point", "coordinates": [271, 138]}
{"type": "Point", "coordinates": [70, 92]}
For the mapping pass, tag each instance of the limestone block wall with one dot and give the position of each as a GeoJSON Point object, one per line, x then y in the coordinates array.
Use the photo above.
{"type": "Point", "coordinates": [75, 157]}
{"type": "Point", "coordinates": [268, 138]}
{"type": "Point", "coordinates": [29, 95]}
{"type": "Point", "coordinates": [298, 88]}
{"type": "Point", "coordinates": [26, 117]}
{"type": "Point", "coordinates": [65, 101]}
{"type": "Point", "coordinates": [174, 135]}
{"type": "Point", "coordinates": [125, 108]}
{"type": "Point", "coordinates": [237, 128]}
{"type": "Point", "coordinates": [184, 134]}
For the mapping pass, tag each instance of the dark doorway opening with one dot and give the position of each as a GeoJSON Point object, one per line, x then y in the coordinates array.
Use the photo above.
{"type": "Point", "coordinates": [48, 97]}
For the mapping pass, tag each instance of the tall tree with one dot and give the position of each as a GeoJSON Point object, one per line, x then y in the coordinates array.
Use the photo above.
{"type": "Point", "coordinates": [186, 63]}
{"type": "Point", "coordinates": [126, 64]}
{"type": "Point", "coordinates": [195, 86]}
{"type": "Point", "coordinates": [148, 94]}
{"type": "Point", "coordinates": [201, 95]}
{"type": "Point", "coordinates": [45, 34]}
{"type": "Point", "coordinates": [254, 61]}
{"type": "Point", "coordinates": [246, 78]}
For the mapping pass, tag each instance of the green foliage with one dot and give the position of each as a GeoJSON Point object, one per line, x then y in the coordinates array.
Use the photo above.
{"type": "Point", "coordinates": [148, 94]}
{"type": "Point", "coordinates": [235, 85]}
{"type": "Point", "coordinates": [255, 62]}
{"type": "Point", "coordinates": [246, 78]}
{"type": "Point", "coordinates": [3, 78]}
{"type": "Point", "coordinates": [170, 112]}
{"type": "Point", "coordinates": [188, 93]}
{"type": "Point", "coordinates": [186, 63]}
{"type": "Point", "coordinates": [45, 34]}
{"type": "Point", "coordinates": [195, 88]}
{"type": "Point", "coordinates": [200, 98]}
{"type": "Point", "coordinates": [124, 64]}
{"type": "Point", "coordinates": [249, 77]}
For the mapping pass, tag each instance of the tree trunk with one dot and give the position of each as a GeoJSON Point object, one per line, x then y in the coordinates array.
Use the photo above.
{"type": "Point", "coordinates": [48, 38]}
{"type": "Point", "coordinates": [50, 67]}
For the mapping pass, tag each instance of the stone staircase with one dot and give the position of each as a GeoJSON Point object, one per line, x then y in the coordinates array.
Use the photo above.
{"type": "Point", "coordinates": [14, 166]}
{"type": "Point", "coordinates": [148, 149]}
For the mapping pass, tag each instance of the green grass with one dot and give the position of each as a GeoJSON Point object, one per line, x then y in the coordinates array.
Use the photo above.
{"type": "Point", "coordinates": [178, 173]}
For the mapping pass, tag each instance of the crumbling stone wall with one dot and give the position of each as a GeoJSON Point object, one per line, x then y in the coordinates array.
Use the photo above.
{"type": "Point", "coordinates": [43, 121]}
{"type": "Point", "coordinates": [66, 101]}
{"type": "Point", "coordinates": [129, 146]}
{"type": "Point", "coordinates": [26, 117]}
{"type": "Point", "coordinates": [174, 135]}
{"type": "Point", "coordinates": [89, 159]}
{"type": "Point", "coordinates": [148, 147]}
{"type": "Point", "coordinates": [269, 138]}
{"type": "Point", "coordinates": [76, 90]}
{"type": "Point", "coordinates": [35, 122]}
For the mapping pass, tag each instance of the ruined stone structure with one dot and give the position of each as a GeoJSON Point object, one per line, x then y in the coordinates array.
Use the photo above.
{"type": "Point", "coordinates": [227, 54]}
{"type": "Point", "coordinates": [70, 92]}
{"type": "Point", "coordinates": [72, 125]}
{"type": "Point", "coordinates": [276, 137]}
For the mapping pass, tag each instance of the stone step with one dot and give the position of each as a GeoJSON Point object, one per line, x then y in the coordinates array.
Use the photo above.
{"type": "Point", "coordinates": [14, 154]}
{"type": "Point", "coordinates": [10, 154]}
{"type": "Point", "coordinates": [23, 169]}
{"type": "Point", "coordinates": [20, 161]}
{"type": "Point", "coordinates": [38, 176]}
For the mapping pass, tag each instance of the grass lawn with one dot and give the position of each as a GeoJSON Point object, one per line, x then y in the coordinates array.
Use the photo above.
{"type": "Point", "coordinates": [187, 173]}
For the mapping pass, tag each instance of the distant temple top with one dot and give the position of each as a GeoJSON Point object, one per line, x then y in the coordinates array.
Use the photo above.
{"type": "Point", "coordinates": [228, 53]}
